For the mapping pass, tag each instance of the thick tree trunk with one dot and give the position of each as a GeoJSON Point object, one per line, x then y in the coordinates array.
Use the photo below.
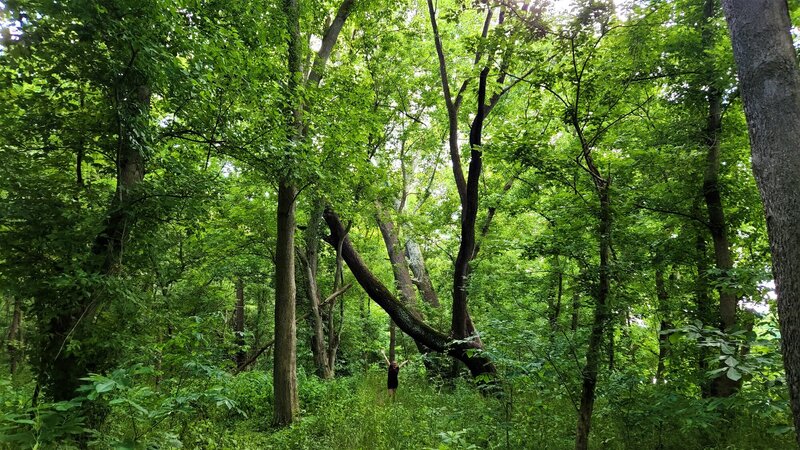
{"type": "Point", "coordinates": [770, 87]}
{"type": "Point", "coordinates": [590, 370]}
{"type": "Point", "coordinates": [238, 324]}
{"type": "Point", "coordinates": [286, 404]}
{"type": "Point", "coordinates": [405, 318]}
{"type": "Point", "coordinates": [421, 278]}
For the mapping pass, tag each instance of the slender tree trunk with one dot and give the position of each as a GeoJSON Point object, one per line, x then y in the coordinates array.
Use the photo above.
{"type": "Point", "coordinates": [721, 386]}
{"type": "Point", "coordinates": [576, 308]}
{"type": "Point", "coordinates": [392, 341]}
{"type": "Point", "coordinates": [238, 324]}
{"type": "Point", "coordinates": [318, 346]}
{"type": "Point", "coordinates": [663, 312]}
{"type": "Point", "coordinates": [14, 336]}
{"type": "Point", "coordinates": [590, 370]}
{"type": "Point", "coordinates": [554, 307]}
{"type": "Point", "coordinates": [770, 86]}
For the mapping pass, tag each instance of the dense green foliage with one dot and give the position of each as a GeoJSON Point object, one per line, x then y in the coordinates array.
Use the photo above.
{"type": "Point", "coordinates": [124, 336]}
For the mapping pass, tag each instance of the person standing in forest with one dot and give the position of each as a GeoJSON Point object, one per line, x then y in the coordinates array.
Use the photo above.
{"type": "Point", "coordinates": [393, 371]}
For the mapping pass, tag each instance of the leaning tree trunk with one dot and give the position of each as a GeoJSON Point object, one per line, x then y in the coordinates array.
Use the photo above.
{"type": "Point", "coordinates": [406, 319]}
{"type": "Point", "coordinates": [318, 346]}
{"type": "Point", "coordinates": [770, 87]}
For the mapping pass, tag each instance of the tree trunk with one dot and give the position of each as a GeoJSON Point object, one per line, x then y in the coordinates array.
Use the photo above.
{"type": "Point", "coordinates": [770, 87]}
{"type": "Point", "coordinates": [14, 337]}
{"type": "Point", "coordinates": [285, 369]}
{"type": "Point", "coordinates": [721, 386]}
{"type": "Point", "coordinates": [663, 312]}
{"type": "Point", "coordinates": [405, 318]}
{"type": "Point", "coordinates": [421, 278]}
{"type": "Point", "coordinates": [238, 324]}
{"type": "Point", "coordinates": [60, 370]}
{"type": "Point", "coordinates": [318, 347]}
{"type": "Point", "coordinates": [554, 306]}
{"type": "Point", "coordinates": [576, 308]}
{"type": "Point", "coordinates": [402, 277]}
{"type": "Point", "coordinates": [392, 341]}
{"type": "Point", "coordinates": [590, 370]}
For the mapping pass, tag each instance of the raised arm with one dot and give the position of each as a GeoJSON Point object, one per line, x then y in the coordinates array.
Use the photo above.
{"type": "Point", "coordinates": [385, 358]}
{"type": "Point", "coordinates": [404, 363]}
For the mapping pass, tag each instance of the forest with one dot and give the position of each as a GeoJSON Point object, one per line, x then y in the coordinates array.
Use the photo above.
{"type": "Point", "coordinates": [408, 224]}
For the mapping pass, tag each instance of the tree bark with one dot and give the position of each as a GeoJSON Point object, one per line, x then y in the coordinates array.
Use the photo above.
{"type": "Point", "coordinates": [318, 346]}
{"type": "Point", "coordinates": [770, 85]}
{"type": "Point", "coordinates": [60, 370]}
{"type": "Point", "coordinates": [721, 386]}
{"type": "Point", "coordinates": [590, 370]}
{"type": "Point", "coordinates": [466, 351]}
{"type": "Point", "coordinates": [286, 404]}
{"type": "Point", "coordinates": [421, 278]}
{"type": "Point", "coordinates": [663, 311]}
{"type": "Point", "coordinates": [14, 337]}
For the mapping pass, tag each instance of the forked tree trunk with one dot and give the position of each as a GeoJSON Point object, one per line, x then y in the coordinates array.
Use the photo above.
{"type": "Point", "coordinates": [770, 87]}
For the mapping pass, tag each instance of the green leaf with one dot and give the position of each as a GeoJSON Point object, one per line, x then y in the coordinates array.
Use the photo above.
{"type": "Point", "coordinates": [105, 386]}
{"type": "Point", "coordinates": [734, 374]}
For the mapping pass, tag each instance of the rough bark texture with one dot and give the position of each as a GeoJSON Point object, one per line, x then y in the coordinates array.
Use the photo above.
{"type": "Point", "coordinates": [238, 324]}
{"type": "Point", "coordinates": [405, 318]}
{"type": "Point", "coordinates": [397, 258]}
{"type": "Point", "coordinates": [421, 278]}
{"type": "Point", "coordinates": [770, 88]}
{"type": "Point", "coordinates": [286, 404]}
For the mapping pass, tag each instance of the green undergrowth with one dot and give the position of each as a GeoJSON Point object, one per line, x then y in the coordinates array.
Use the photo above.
{"type": "Point", "coordinates": [222, 411]}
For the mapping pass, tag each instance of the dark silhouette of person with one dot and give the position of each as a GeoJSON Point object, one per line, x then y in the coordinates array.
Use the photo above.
{"type": "Point", "coordinates": [393, 370]}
